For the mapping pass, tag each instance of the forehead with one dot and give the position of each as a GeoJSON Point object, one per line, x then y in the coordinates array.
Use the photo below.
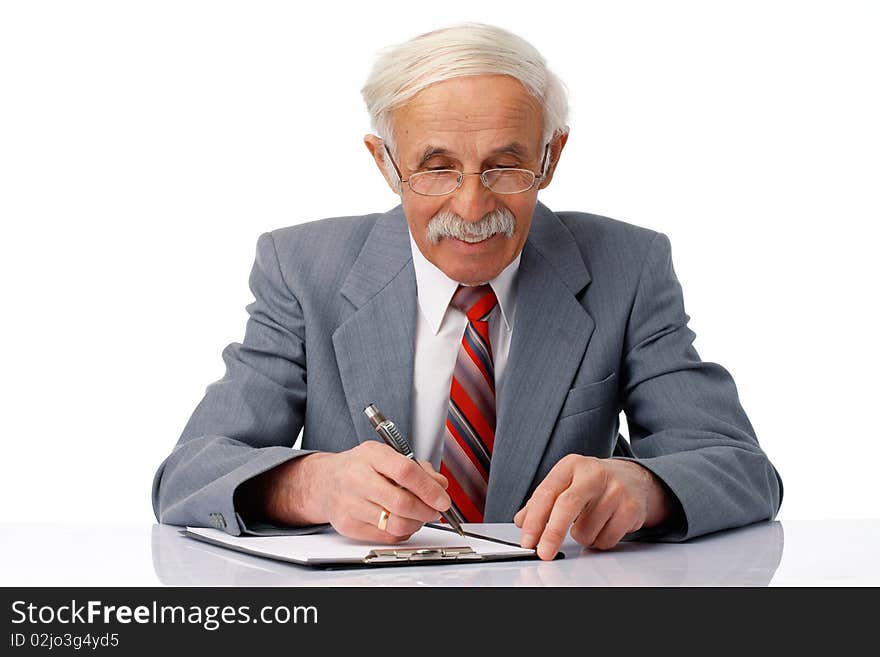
{"type": "Point", "coordinates": [469, 115]}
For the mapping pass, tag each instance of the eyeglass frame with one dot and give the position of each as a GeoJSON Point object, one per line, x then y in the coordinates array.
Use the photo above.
{"type": "Point", "coordinates": [462, 174]}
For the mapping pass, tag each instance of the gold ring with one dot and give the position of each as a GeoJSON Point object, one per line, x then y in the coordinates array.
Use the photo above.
{"type": "Point", "coordinates": [383, 519]}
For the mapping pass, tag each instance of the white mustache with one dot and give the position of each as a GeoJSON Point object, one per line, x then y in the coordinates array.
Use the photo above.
{"type": "Point", "coordinates": [448, 224]}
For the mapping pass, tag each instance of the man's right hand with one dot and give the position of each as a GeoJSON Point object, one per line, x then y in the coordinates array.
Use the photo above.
{"type": "Point", "coordinates": [349, 490]}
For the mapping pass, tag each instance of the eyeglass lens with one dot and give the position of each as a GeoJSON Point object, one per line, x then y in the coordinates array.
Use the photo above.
{"type": "Point", "coordinates": [501, 181]}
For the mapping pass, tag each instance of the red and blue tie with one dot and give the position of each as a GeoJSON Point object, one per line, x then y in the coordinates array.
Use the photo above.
{"type": "Point", "coordinates": [470, 417]}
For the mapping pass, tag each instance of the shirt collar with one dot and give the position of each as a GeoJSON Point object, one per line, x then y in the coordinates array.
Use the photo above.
{"type": "Point", "coordinates": [435, 289]}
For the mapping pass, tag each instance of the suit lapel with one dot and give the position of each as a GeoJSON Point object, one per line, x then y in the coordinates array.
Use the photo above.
{"type": "Point", "coordinates": [551, 332]}
{"type": "Point", "coordinates": [375, 346]}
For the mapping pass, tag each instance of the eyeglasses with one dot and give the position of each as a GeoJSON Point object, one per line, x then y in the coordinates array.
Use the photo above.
{"type": "Point", "coordinates": [445, 181]}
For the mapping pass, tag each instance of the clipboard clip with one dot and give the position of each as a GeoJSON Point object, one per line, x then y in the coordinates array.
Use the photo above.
{"type": "Point", "coordinates": [398, 555]}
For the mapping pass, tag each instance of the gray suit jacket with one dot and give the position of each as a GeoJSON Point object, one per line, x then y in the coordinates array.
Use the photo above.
{"type": "Point", "coordinates": [600, 327]}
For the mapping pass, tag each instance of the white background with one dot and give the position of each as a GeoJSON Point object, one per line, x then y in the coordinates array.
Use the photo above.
{"type": "Point", "coordinates": [145, 146]}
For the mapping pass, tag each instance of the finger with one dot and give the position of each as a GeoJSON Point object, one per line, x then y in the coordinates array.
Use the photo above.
{"type": "Point", "coordinates": [396, 525]}
{"type": "Point", "coordinates": [400, 501]}
{"type": "Point", "coordinates": [519, 517]}
{"type": "Point", "coordinates": [429, 468]}
{"type": "Point", "coordinates": [409, 474]}
{"type": "Point", "coordinates": [614, 530]}
{"type": "Point", "coordinates": [364, 531]}
{"type": "Point", "coordinates": [541, 502]}
{"type": "Point", "coordinates": [400, 527]}
{"type": "Point", "coordinates": [569, 504]}
{"type": "Point", "coordinates": [592, 520]}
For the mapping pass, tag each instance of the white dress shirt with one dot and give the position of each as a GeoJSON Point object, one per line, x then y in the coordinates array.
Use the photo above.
{"type": "Point", "coordinates": [439, 329]}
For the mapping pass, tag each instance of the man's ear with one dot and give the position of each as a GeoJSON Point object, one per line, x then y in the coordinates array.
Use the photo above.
{"type": "Point", "coordinates": [377, 149]}
{"type": "Point", "coordinates": [556, 146]}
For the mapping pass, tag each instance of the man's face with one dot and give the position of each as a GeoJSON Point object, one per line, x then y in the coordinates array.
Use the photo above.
{"type": "Point", "coordinates": [470, 124]}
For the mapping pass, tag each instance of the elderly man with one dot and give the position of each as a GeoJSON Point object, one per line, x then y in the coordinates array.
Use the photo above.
{"type": "Point", "coordinates": [501, 337]}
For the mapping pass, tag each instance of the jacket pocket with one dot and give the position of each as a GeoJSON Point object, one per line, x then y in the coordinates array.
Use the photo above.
{"type": "Point", "coordinates": [592, 395]}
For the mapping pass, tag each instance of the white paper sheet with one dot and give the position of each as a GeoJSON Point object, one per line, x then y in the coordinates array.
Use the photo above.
{"type": "Point", "coordinates": [333, 547]}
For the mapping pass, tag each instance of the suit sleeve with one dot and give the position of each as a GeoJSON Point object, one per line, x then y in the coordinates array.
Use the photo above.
{"type": "Point", "coordinates": [685, 419]}
{"type": "Point", "coordinates": [247, 421]}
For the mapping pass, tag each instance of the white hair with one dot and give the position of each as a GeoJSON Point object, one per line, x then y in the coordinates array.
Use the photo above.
{"type": "Point", "coordinates": [403, 70]}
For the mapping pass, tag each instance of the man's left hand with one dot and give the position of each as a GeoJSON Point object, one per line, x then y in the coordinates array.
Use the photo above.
{"type": "Point", "coordinates": [601, 500]}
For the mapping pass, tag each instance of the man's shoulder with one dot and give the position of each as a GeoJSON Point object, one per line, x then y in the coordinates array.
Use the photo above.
{"type": "Point", "coordinates": [605, 242]}
{"type": "Point", "coordinates": [589, 227]}
{"type": "Point", "coordinates": [319, 254]}
{"type": "Point", "coordinates": [323, 245]}
{"type": "Point", "coordinates": [320, 234]}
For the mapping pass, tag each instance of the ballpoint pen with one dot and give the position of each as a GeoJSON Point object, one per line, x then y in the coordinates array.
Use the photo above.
{"type": "Point", "coordinates": [394, 439]}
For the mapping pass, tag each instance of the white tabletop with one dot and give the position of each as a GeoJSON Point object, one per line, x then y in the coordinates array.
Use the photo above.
{"type": "Point", "coordinates": [793, 553]}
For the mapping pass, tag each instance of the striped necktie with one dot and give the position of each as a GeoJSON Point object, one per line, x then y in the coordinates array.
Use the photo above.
{"type": "Point", "coordinates": [470, 416]}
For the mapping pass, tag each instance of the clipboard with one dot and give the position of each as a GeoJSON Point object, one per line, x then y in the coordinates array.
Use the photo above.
{"type": "Point", "coordinates": [431, 545]}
